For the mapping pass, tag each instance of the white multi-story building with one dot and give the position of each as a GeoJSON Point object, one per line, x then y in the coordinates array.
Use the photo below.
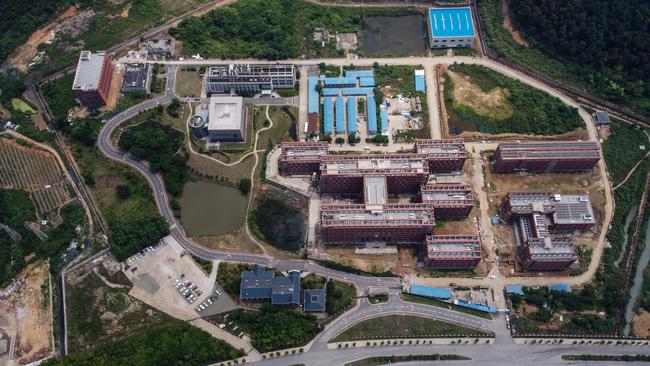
{"type": "Point", "coordinates": [247, 78]}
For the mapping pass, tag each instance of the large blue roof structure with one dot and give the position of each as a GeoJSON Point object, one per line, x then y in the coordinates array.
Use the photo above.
{"type": "Point", "coordinates": [515, 289]}
{"type": "Point", "coordinates": [451, 22]}
{"type": "Point", "coordinates": [359, 73]}
{"type": "Point", "coordinates": [479, 307]}
{"type": "Point", "coordinates": [314, 300]}
{"type": "Point", "coordinates": [328, 120]}
{"type": "Point", "coordinates": [313, 103]}
{"type": "Point", "coordinates": [367, 81]}
{"type": "Point", "coordinates": [419, 80]}
{"type": "Point", "coordinates": [256, 284]}
{"type": "Point", "coordinates": [352, 114]}
{"type": "Point", "coordinates": [371, 107]}
{"type": "Point", "coordinates": [339, 82]}
{"type": "Point", "coordinates": [331, 92]}
{"type": "Point", "coordinates": [356, 91]}
{"type": "Point", "coordinates": [435, 292]}
{"type": "Point", "coordinates": [384, 121]}
{"type": "Point", "coordinates": [340, 115]}
{"type": "Point", "coordinates": [286, 290]}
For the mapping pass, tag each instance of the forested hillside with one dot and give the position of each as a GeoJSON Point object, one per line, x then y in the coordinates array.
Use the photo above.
{"type": "Point", "coordinates": [607, 39]}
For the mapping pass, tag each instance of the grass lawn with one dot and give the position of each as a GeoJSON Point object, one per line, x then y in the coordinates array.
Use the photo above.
{"type": "Point", "coordinates": [621, 149]}
{"type": "Point", "coordinates": [442, 304]}
{"type": "Point", "coordinates": [229, 277]}
{"type": "Point", "coordinates": [188, 83]}
{"type": "Point", "coordinates": [340, 296]}
{"type": "Point", "coordinates": [404, 326]}
{"type": "Point", "coordinates": [22, 106]}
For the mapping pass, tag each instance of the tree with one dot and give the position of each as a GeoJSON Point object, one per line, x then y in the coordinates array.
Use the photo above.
{"type": "Point", "coordinates": [174, 204]}
{"type": "Point", "coordinates": [339, 140]}
{"type": "Point", "coordinates": [123, 191]}
{"type": "Point", "coordinates": [173, 108]}
{"type": "Point", "coordinates": [245, 185]}
{"type": "Point", "coordinates": [353, 138]}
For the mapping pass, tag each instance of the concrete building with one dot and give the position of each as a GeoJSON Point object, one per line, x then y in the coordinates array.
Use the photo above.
{"type": "Point", "coordinates": [226, 119]}
{"type": "Point", "coordinates": [262, 285]}
{"type": "Point", "coordinates": [451, 27]}
{"type": "Point", "coordinates": [92, 80]}
{"type": "Point", "coordinates": [136, 78]}
{"type": "Point", "coordinates": [249, 79]}
{"type": "Point", "coordinates": [452, 251]}
{"type": "Point", "coordinates": [546, 156]}
{"type": "Point", "coordinates": [160, 48]}
{"type": "Point", "coordinates": [601, 118]}
{"type": "Point", "coordinates": [450, 201]}
{"type": "Point", "coordinates": [301, 158]}
{"type": "Point", "coordinates": [443, 155]}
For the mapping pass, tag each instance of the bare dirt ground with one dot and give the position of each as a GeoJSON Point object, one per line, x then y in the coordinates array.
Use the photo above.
{"type": "Point", "coordinates": [114, 92]}
{"type": "Point", "coordinates": [641, 324]}
{"type": "Point", "coordinates": [39, 122]}
{"type": "Point", "coordinates": [491, 104]}
{"type": "Point", "coordinates": [28, 314]}
{"type": "Point", "coordinates": [364, 262]}
{"type": "Point", "coordinates": [507, 24]}
{"type": "Point", "coordinates": [577, 134]}
{"type": "Point", "coordinates": [23, 55]}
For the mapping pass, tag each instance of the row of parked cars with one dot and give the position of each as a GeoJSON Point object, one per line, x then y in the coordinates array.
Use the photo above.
{"type": "Point", "coordinates": [207, 302]}
{"type": "Point", "coordinates": [150, 249]}
{"type": "Point", "coordinates": [187, 289]}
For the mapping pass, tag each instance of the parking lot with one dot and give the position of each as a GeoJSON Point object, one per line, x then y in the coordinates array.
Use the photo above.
{"type": "Point", "coordinates": [167, 278]}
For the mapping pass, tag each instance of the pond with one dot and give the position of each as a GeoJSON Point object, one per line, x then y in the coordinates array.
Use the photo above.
{"type": "Point", "coordinates": [395, 35]}
{"type": "Point", "coordinates": [211, 208]}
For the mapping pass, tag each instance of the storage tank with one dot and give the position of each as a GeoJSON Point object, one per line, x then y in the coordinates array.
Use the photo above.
{"type": "Point", "coordinates": [198, 126]}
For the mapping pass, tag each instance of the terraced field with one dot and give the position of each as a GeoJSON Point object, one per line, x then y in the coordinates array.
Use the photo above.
{"type": "Point", "coordinates": [47, 200]}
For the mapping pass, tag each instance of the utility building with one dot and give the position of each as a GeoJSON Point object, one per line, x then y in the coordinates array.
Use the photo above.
{"type": "Point", "coordinates": [302, 158]}
{"type": "Point", "coordinates": [443, 155]}
{"type": "Point", "coordinates": [452, 251]}
{"type": "Point", "coordinates": [136, 78]}
{"type": "Point", "coordinates": [451, 27]}
{"type": "Point", "coordinates": [450, 201]}
{"type": "Point", "coordinates": [262, 285]}
{"type": "Point", "coordinates": [248, 78]}
{"type": "Point", "coordinates": [92, 80]}
{"type": "Point", "coordinates": [546, 156]}
{"type": "Point", "coordinates": [226, 119]}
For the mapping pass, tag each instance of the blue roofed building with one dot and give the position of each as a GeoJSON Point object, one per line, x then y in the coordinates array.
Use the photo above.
{"type": "Point", "coordinates": [340, 115]}
{"type": "Point", "coordinates": [359, 73]}
{"type": "Point", "coordinates": [355, 91]}
{"type": "Point", "coordinates": [451, 27]}
{"type": "Point", "coordinates": [262, 285]}
{"type": "Point", "coordinates": [333, 92]}
{"type": "Point", "coordinates": [339, 82]}
{"type": "Point", "coordinates": [313, 103]}
{"type": "Point", "coordinates": [315, 300]}
{"type": "Point", "coordinates": [383, 114]}
{"type": "Point", "coordinates": [435, 292]}
{"type": "Point", "coordinates": [419, 80]}
{"type": "Point", "coordinates": [367, 82]}
{"type": "Point", "coordinates": [371, 110]}
{"type": "Point", "coordinates": [328, 118]}
{"type": "Point", "coordinates": [352, 114]}
{"type": "Point", "coordinates": [286, 290]}
{"type": "Point", "coordinates": [515, 289]}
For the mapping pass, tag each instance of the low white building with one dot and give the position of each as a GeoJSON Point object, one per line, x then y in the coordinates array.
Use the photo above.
{"type": "Point", "coordinates": [226, 119]}
{"type": "Point", "coordinates": [451, 27]}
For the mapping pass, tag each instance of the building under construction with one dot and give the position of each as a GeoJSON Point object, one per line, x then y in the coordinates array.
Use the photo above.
{"type": "Point", "coordinates": [544, 224]}
{"type": "Point", "coordinates": [444, 155]}
{"type": "Point", "coordinates": [546, 156]}
{"type": "Point", "coordinates": [301, 158]}
{"type": "Point", "coordinates": [451, 201]}
{"type": "Point", "coordinates": [452, 251]}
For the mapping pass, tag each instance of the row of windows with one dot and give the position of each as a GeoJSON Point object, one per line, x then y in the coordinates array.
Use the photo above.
{"type": "Point", "coordinates": [451, 40]}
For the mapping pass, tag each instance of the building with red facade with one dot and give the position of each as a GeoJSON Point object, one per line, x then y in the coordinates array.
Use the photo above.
{"type": "Point", "coordinates": [92, 80]}
{"type": "Point", "coordinates": [444, 155]}
{"type": "Point", "coordinates": [451, 201]}
{"type": "Point", "coordinates": [301, 158]}
{"type": "Point", "coordinates": [543, 156]}
{"type": "Point", "coordinates": [343, 174]}
{"type": "Point", "coordinates": [393, 223]}
{"type": "Point", "coordinates": [452, 251]}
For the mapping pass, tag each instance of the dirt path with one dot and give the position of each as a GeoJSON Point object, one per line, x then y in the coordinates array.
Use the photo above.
{"type": "Point", "coordinates": [507, 24]}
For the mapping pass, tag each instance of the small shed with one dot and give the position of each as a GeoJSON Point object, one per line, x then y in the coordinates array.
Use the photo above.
{"type": "Point", "coordinates": [515, 289]}
{"type": "Point", "coordinates": [419, 81]}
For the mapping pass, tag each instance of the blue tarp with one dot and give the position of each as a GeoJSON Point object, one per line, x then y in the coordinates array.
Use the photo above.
{"type": "Point", "coordinates": [371, 108]}
{"type": "Point", "coordinates": [356, 91]}
{"type": "Point", "coordinates": [369, 81]}
{"type": "Point", "coordinates": [331, 92]}
{"type": "Point", "coordinates": [384, 121]}
{"type": "Point", "coordinates": [515, 289]}
{"type": "Point", "coordinates": [313, 95]}
{"type": "Point", "coordinates": [340, 115]}
{"type": "Point", "coordinates": [561, 287]}
{"type": "Point", "coordinates": [359, 73]}
{"type": "Point", "coordinates": [328, 119]}
{"type": "Point", "coordinates": [479, 307]}
{"type": "Point", "coordinates": [352, 114]}
{"type": "Point", "coordinates": [340, 81]}
{"type": "Point", "coordinates": [436, 292]}
{"type": "Point", "coordinates": [419, 82]}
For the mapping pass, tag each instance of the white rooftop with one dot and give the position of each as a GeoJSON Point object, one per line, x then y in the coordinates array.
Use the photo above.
{"type": "Point", "coordinates": [225, 113]}
{"type": "Point", "coordinates": [89, 70]}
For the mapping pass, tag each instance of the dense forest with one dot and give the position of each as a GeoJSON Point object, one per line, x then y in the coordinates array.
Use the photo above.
{"type": "Point", "coordinates": [607, 39]}
{"type": "Point", "coordinates": [175, 343]}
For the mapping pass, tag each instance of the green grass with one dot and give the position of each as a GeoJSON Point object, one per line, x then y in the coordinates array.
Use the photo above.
{"type": "Point", "coordinates": [442, 304]}
{"type": "Point", "coordinates": [188, 83]}
{"type": "Point", "coordinates": [378, 299]}
{"type": "Point", "coordinates": [404, 326]}
{"type": "Point", "coordinates": [22, 106]}
{"type": "Point", "coordinates": [59, 96]}
{"type": "Point", "coordinates": [312, 281]}
{"type": "Point", "coordinates": [206, 265]}
{"type": "Point", "coordinates": [229, 277]}
{"type": "Point", "coordinates": [622, 149]}
{"type": "Point", "coordinates": [339, 297]}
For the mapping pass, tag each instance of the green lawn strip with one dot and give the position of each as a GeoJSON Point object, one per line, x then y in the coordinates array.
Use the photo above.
{"type": "Point", "coordinates": [339, 297]}
{"type": "Point", "coordinates": [383, 360]}
{"type": "Point", "coordinates": [442, 304]}
{"type": "Point", "coordinates": [205, 264]}
{"type": "Point", "coordinates": [378, 299]}
{"type": "Point", "coordinates": [188, 83]}
{"type": "Point", "coordinates": [404, 326]}
{"type": "Point", "coordinates": [22, 106]}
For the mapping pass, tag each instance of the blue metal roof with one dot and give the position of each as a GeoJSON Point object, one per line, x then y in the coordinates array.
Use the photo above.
{"type": "Point", "coordinates": [352, 114]}
{"type": "Point", "coordinates": [367, 81]}
{"type": "Point", "coordinates": [315, 300]}
{"type": "Point", "coordinates": [451, 22]}
{"type": "Point", "coordinates": [561, 287]}
{"type": "Point", "coordinates": [313, 95]}
{"type": "Point", "coordinates": [359, 73]}
{"type": "Point", "coordinates": [384, 121]}
{"type": "Point", "coordinates": [331, 92]}
{"type": "Point", "coordinates": [357, 91]}
{"type": "Point", "coordinates": [480, 307]}
{"type": "Point", "coordinates": [437, 292]}
{"type": "Point", "coordinates": [419, 80]}
{"type": "Point", "coordinates": [256, 284]}
{"type": "Point", "coordinates": [328, 120]}
{"type": "Point", "coordinates": [340, 81]}
{"type": "Point", "coordinates": [286, 290]}
{"type": "Point", "coordinates": [371, 108]}
{"type": "Point", "coordinates": [515, 289]}
{"type": "Point", "coordinates": [340, 115]}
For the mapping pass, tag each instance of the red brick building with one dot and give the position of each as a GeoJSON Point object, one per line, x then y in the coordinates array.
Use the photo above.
{"type": "Point", "coordinates": [546, 156]}
{"type": "Point", "coordinates": [444, 155]}
{"type": "Point", "coordinates": [92, 81]}
{"type": "Point", "coordinates": [451, 201]}
{"type": "Point", "coordinates": [301, 158]}
{"type": "Point", "coordinates": [452, 251]}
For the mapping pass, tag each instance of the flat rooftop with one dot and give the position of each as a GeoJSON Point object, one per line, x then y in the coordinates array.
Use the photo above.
{"type": "Point", "coordinates": [225, 113]}
{"type": "Point", "coordinates": [375, 190]}
{"type": "Point", "coordinates": [558, 248]}
{"type": "Point", "coordinates": [89, 70]}
{"type": "Point", "coordinates": [453, 245]}
{"type": "Point", "coordinates": [447, 192]}
{"type": "Point", "coordinates": [565, 209]}
{"type": "Point", "coordinates": [304, 148]}
{"type": "Point", "coordinates": [451, 22]}
{"type": "Point", "coordinates": [390, 214]}
{"type": "Point", "coordinates": [373, 164]}
{"type": "Point", "coordinates": [135, 76]}
{"type": "Point", "coordinates": [445, 146]}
